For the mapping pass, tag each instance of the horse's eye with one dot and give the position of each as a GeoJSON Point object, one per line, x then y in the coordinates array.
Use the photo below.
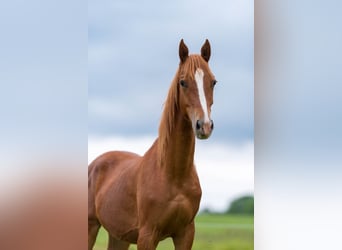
{"type": "Point", "coordinates": [213, 83]}
{"type": "Point", "coordinates": [183, 83]}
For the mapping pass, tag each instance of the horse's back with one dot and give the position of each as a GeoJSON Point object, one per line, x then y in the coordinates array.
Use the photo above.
{"type": "Point", "coordinates": [110, 161]}
{"type": "Point", "coordinates": [112, 191]}
{"type": "Point", "coordinates": [107, 166]}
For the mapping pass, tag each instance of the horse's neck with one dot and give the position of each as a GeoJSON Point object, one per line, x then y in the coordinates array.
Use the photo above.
{"type": "Point", "coordinates": [179, 155]}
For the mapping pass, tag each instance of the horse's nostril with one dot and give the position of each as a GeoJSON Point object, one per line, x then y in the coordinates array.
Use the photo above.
{"type": "Point", "coordinates": [212, 124]}
{"type": "Point", "coordinates": [198, 124]}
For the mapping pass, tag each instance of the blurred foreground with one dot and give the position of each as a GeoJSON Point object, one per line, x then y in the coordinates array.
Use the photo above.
{"type": "Point", "coordinates": [44, 212]}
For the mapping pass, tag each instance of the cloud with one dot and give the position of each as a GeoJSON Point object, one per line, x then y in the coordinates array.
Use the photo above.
{"type": "Point", "coordinates": [225, 171]}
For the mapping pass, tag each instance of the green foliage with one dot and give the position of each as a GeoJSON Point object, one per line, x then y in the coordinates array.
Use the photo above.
{"type": "Point", "coordinates": [243, 205]}
{"type": "Point", "coordinates": [213, 232]}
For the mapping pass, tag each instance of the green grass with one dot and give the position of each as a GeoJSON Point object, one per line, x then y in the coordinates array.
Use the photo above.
{"type": "Point", "coordinates": [213, 232]}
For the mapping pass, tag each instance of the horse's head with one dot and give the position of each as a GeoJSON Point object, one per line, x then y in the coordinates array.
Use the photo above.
{"type": "Point", "coordinates": [196, 85]}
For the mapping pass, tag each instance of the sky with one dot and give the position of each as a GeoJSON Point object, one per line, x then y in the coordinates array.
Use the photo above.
{"type": "Point", "coordinates": [132, 59]}
{"type": "Point", "coordinates": [133, 56]}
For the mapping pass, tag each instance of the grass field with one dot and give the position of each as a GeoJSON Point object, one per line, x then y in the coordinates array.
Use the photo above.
{"type": "Point", "coordinates": [213, 232]}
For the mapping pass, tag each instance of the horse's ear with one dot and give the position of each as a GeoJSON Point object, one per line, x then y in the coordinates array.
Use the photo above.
{"type": "Point", "coordinates": [205, 50]}
{"type": "Point", "coordinates": [183, 51]}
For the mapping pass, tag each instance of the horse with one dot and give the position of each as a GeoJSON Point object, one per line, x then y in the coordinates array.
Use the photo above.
{"type": "Point", "coordinates": [145, 199]}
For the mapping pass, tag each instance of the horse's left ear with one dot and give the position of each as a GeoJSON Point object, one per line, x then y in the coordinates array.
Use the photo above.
{"type": "Point", "coordinates": [183, 51]}
{"type": "Point", "coordinates": [205, 50]}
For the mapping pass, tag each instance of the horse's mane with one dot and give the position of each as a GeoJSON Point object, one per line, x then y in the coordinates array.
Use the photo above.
{"type": "Point", "coordinates": [171, 105]}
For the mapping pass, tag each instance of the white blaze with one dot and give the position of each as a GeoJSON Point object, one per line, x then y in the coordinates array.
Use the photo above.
{"type": "Point", "coordinates": [199, 81]}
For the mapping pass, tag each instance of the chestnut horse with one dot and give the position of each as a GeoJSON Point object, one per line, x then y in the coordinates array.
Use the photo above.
{"type": "Point", "coordinates": [145, 199]}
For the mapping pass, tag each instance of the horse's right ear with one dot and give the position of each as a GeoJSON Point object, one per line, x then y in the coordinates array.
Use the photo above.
{"type": "Point", "coordinates": [183, 51]}
{"type": "Point", "coordinates": [205, 50]}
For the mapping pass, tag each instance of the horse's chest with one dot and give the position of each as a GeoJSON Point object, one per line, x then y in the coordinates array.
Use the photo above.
{"type": "Point", "coordinates": [183, 207]}
{"type": "Point", "coordinates": [180, 210]}
{"type": "Point", "coordinates": [168, 206]}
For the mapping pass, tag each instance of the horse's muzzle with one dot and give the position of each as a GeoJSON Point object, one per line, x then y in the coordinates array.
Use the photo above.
{"type": "Point", "coordinates": [204, 129]}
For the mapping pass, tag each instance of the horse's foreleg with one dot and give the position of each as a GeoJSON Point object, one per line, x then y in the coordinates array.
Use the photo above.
{"type": "Point", "coordinates": [147, 239]}
{"type": "Point", "coordinates": [114, 244]}
{"type": "Point", "coordinates": [93, 229]}
{"type": "Point", "coordinates": [184, 239]}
